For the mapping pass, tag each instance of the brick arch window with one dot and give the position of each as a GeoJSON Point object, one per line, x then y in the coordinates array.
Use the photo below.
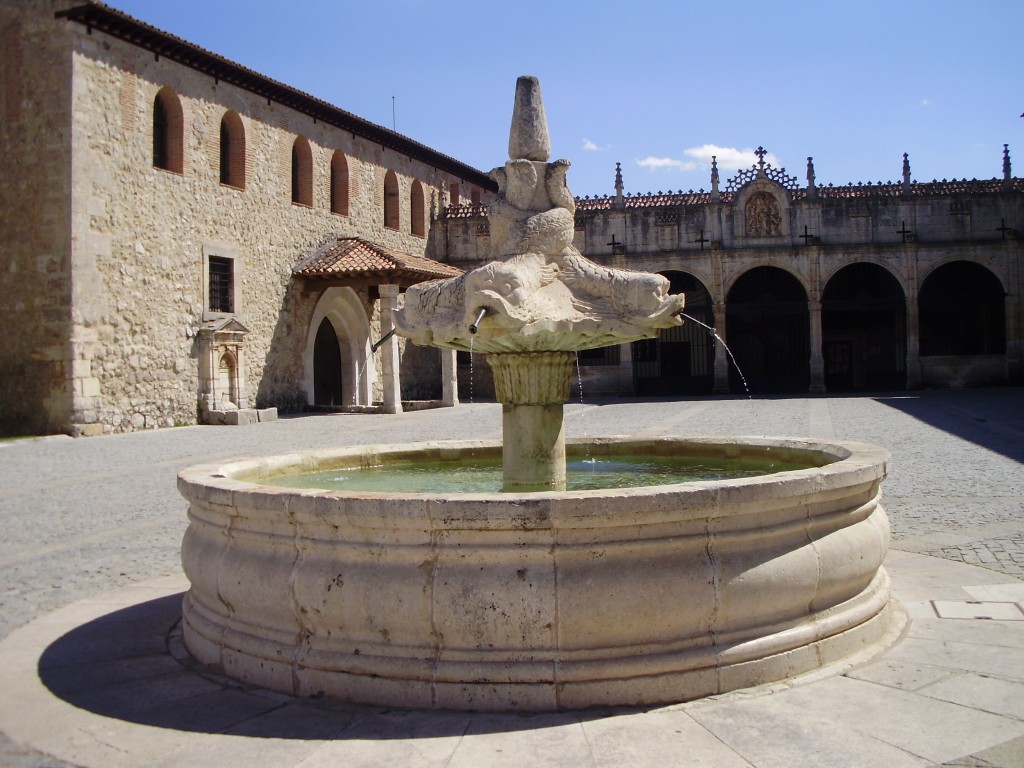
{"type": "Point", "coordinates": [391, 218]}
{"type": "Point", "coordinates": [302, 172]}
{"type": "Point", "coordinates": [416, 209]}
{"type": "Point", "coordinates": [168, 131]}
{"type": "Point", "coordinates": [232, 150]}
{"type": "Point", "coordinates": [339, 184]}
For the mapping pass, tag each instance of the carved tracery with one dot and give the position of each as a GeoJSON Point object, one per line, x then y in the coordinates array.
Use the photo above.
{"type": "Point", "coordinates": [762, 214]}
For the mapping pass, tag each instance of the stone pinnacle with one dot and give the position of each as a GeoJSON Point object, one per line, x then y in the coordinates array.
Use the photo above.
{"type": "Point", "coordinates": [528, 138]}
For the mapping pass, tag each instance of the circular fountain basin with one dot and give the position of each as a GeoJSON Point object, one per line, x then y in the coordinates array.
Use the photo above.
{"type": "Point", "coordinates": [536, 601]}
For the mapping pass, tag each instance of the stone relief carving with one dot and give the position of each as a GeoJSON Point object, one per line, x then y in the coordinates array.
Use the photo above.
{"type": "Point", "coordinates": [762, 214]}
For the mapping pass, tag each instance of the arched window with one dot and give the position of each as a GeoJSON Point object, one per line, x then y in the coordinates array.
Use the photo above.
{"type": "Point", "coordinates": [416, 210]}
{"type": "Point", "coordinates": [302, 172]}
{"type": "Point", "coordinates": [232, 150]}
{"type": "Point", "coordinates": [453, 193]}
{"type": "Point", "coordinates": [474, 196]}
{"type": "Point", "coordinates": [339, 184]}
{"type": "Point", "coordinates": [168, 131]}
{"type": "Point", "coordinates": [391, 200]}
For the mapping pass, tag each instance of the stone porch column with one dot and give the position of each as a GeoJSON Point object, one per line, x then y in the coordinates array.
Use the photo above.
{"type": "Point", "coordinates": [1013, 340]}
{"type": "Point", "coordinates": [449, 377]}
{"type": "Point", "coordinates": [817, 361]}
{"type": "Point", "coordinates": [913, 344]}
{"type": "Point", "coordinates": [389, 350]}
{"type": "Point", "coordinates": [721, 386]}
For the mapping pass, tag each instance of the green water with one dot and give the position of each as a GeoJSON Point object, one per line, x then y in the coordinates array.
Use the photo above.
{"type": "Point", "coordinates": [484, 475]}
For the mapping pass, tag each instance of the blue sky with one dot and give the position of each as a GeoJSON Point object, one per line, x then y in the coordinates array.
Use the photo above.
{"type": "Point", "coordinates": [656, 85]}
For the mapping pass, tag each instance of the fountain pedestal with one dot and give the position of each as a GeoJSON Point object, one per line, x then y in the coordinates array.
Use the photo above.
{"type": "Point", "coordinates": [532, 387]}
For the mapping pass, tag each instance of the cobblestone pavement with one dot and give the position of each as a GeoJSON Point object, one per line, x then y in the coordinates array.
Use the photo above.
{"type": "Point", "coordinates": [78, 517]}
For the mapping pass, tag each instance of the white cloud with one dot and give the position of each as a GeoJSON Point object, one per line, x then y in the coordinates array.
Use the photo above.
{"type": "Point", "coordinates": [729, 159]}
{"type": "Point", "coordinates": [657, 163]}
{"type": "Point", "coordinates": [590, 146]}
{"type": "Point", "coordinates": [926, 102]}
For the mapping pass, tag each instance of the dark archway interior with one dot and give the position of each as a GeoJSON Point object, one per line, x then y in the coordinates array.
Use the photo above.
{"type": "Point", "coordinates": [768, 331]}
{"type": "Point", "coordinates": [864, 330]}
{"type": "Point", "coordinates": [962, 311]}
{"type": "Point", "coordinates": [327, 381]}
{"type": "Point", "coordinates": [681, 360]}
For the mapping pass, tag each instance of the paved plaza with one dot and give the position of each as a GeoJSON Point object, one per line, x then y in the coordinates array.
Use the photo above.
{"type": "Point", "coordinates": [92, 671]}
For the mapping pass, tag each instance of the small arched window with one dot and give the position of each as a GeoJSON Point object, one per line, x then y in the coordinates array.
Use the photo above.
{"type": "Point", "coordinates": [391, 217]}
{"type": "Point", "coordinates": [302, 172]}
{"type": "Point", "coordinates": [416, 209]}
{"type": "Point", "coordinates": [339, 184]}
{"type": "Point", "coordinates": [474, 196]}
{"type": "Point", "coordinates": [168, 131]}
{"type": "Point", "coordinates": [232, 150]}
{"type": "Point", "coordinates": [453, 193]}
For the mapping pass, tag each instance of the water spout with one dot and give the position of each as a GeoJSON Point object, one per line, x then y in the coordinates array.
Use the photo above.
{"type": "Point", "coordinates": [377, 344]}
{"type": "Point", "coordinates": [479, 318]}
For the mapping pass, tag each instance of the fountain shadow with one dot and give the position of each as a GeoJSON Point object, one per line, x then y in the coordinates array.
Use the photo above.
{"type": "Point", "coordinates": [129, 665]}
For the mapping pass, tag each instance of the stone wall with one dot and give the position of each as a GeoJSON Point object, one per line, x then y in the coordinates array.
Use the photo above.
{"type": "Point", "coordinates": [141, 234]}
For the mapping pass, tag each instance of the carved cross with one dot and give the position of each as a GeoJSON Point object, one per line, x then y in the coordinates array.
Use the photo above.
{"type": "Point", "coordinates": [701, 240]}
{"type": "Point", "coordinates": [904, 231]}
{"type": "Point", "coordinates": [806, 237]}
{"type": "Point", "coordinates": [1002, 229]}
{"type": "Point", "coordinates": [617, 248]}
{"type": "Point", "coordinates": [760, 152]}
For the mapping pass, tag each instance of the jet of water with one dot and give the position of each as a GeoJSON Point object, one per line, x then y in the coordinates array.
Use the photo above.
{"type": "Point", "coordinates": [721, 341]}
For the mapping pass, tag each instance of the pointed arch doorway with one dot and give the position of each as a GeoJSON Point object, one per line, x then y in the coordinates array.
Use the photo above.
{"type": "Point", "coordinates": [327, 375]}
{"type": "Point", "coordinates": [337, 348]}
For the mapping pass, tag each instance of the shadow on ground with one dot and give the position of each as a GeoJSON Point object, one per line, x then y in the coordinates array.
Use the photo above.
{"type": "Point", "coordinates": [120, 666]}
{"type": "Point", "coordinates": [990, 418]}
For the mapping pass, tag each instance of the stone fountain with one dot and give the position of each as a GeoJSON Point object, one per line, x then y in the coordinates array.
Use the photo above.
{"type": "Point", "coordinates": [536, 599]}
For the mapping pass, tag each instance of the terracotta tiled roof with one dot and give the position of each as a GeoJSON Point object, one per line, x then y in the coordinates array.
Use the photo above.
{"type": "Point", "coordinates": [670, 199]}
{"type": "Point", "coordinates": [354, 258]}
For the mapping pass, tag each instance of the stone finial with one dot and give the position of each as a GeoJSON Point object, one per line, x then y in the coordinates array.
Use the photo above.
{"type": "Point", "coordinates": [1007, 173]}
{"type": "Point", "coordinates": [618, 183]}
{"type": "Point", "coordinates": [528, 138]}
{"type": "Point", "coordinates": [906, 168]}
{"type": "Point", "coordinates": [714, 178]}
{"type": "Point", "coordinates": [812, 190]}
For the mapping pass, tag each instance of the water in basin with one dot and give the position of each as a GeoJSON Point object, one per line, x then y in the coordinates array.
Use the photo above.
{"type": "Point", "coordinates": [484, 475]}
